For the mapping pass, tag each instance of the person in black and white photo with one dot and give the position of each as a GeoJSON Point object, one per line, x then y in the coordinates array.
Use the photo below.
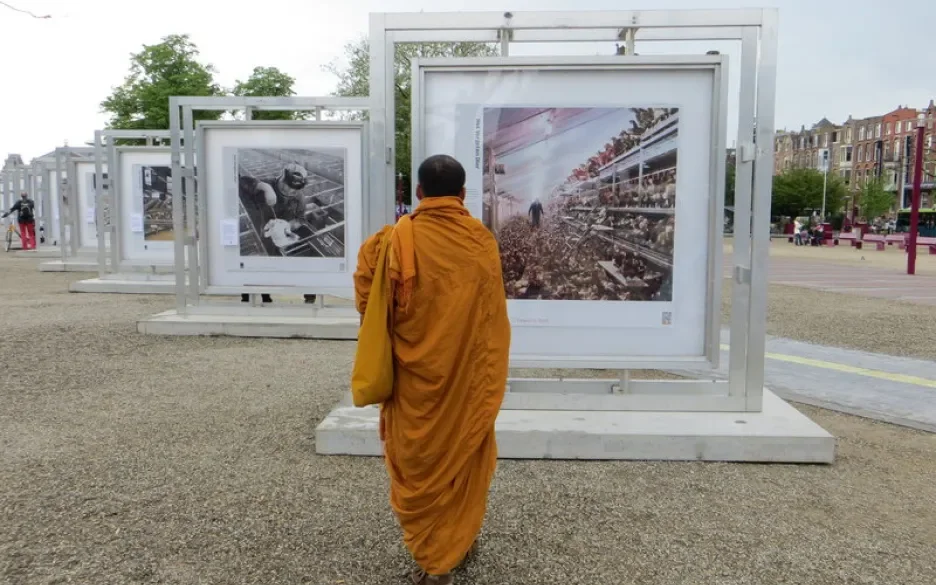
{"type": "Point", "coordinates": [292, 203]}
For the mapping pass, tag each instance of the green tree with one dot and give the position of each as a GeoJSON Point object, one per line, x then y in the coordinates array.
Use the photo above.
{"type": "Point", "coordinates": [353, 81]}
{"type": "Point", "coordinates": [798, 190]}
{"type": "Point", "coordinates": [730, 172]}
{"type": "Point", "coordinates": [268, 82]}
{"type": "Point", "coordinates": [873, 200]}
{"type": "Point", "coordinates": [169, 68]}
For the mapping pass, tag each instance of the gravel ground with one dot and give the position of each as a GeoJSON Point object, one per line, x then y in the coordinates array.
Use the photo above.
{"type": "Point", "coordinates": [131, 459]}
{"type": "Point", "coordinates": [850, 321]}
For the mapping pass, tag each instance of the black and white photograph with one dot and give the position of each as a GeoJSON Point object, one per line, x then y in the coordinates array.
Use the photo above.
{"type": "Point", "coordinates": [156, 182]}
{"type": "Point", "coordinates": [292, 202]}
{"type": "Point", "coordinates": [582, 201]}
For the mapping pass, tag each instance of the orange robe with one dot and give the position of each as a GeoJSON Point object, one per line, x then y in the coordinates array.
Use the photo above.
{"type": "Point", "coordinates": [451, 342]}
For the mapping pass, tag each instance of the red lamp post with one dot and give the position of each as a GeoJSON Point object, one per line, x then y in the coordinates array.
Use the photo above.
{"type": "Point", "coordinates": [915, 200]}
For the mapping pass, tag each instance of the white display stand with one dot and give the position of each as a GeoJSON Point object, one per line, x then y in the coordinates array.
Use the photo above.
{"type": "Point", "coordinates": [126, 262]}
{"type": "Point", "coordinates": [619, 418]}
{"type": "Point", "coordinates": [216, 267]}
{"type": "Point", "coordinates": [17, 178]}
{"type": "Point", "coordinates": [60, 176]}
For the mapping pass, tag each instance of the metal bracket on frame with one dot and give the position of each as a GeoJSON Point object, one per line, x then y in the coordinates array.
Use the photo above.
{"type": "Point", "coordinates": [742, 275]}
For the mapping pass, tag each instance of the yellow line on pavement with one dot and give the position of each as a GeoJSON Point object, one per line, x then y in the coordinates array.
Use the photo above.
{"type": "Point", "coordinates": [889, 376]}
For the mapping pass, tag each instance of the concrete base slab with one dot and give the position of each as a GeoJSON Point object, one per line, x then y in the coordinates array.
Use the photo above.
{"type": "Point", "coordinates": [339, 323]}
{"type": "Point", "coordinates": [70, 265]}
{"type": "Point", "coordinates": [125, 284]}
{"type": "Point", "coordinates": [778, 434]}
{"type": "Point", "coordinates": [90, 264]}
{"type": "Point", "coordinates": [142, 267]}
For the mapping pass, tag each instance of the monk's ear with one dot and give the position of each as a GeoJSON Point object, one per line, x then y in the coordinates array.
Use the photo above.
{"type": "Point", "coordinates": [419, 192]}
{"type": "Point", "coordinates": [461, 194]}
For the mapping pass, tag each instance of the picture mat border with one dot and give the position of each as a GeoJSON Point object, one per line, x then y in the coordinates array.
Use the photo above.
{"type": "Point", "coordinates": [717, 65]}
{"type": "Point", "coordinates": [339, 284]}
{"type": "Point", "coordinates": [130, 243]}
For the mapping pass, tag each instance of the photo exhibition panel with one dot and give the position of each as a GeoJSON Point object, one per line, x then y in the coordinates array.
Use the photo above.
{"type": "Point", "coordinates": [596, 182]}
{"type": "Point", "coordinates": [284, 204]}
{"type": "Point", "coordinates": [87, 200]}
{"type": "Point", "coordinates": [146, 191]}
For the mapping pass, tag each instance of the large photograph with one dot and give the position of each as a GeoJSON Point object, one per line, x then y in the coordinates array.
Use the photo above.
{"type": "Point", "coordinates": [582, 201]}
{"type": "Point", "coordinates": [156, 182]}
{"type": "Point", "coordinates": [292, 202]}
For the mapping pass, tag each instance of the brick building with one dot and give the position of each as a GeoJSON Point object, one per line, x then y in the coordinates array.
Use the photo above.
{"type": "Point", "coordinates": [861, 150]}
{"type": "Point", "coordinates": [898, 125]}
{"type": "Point", "coordinates": [804, 148]}
{"type": "Point", "coordinates": [868, 142]}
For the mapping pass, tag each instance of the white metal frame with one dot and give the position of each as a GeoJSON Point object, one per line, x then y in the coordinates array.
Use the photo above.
{"type": "Point", "coordinates": [107, 152]}
{"type": "Point", "coordinates": [186, 140]}
{"type": "Point", "coordinates": [756, 29]}
{"type": "Point", "coordinates": [65, 163]}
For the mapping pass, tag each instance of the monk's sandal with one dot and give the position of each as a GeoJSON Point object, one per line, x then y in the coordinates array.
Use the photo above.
{"type": "Point", "coordinates": [420, 577]}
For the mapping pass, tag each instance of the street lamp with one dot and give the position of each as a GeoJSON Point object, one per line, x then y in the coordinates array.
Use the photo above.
{"type": "Point", "coordinates": [915, 198]}
{"type": "Point", "coordinates": [825, 182]}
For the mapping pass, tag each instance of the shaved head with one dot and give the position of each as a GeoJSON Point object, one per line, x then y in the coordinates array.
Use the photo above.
{"type": "Point", "coordinates": [441, 176]}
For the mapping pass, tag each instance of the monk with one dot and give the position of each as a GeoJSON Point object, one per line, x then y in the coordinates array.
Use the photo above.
{"type": "Point", "coordinates": [451, 340]}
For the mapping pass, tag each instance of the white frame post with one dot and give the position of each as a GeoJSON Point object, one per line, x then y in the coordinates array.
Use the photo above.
{"type": "Point", "coordinates": [756, 29]}
{"type": "Point", "coordinates": [185, 144]}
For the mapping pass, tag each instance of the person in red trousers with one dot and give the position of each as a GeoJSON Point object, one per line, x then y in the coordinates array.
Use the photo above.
{"type": "Point", "coordinates": [26, 217]}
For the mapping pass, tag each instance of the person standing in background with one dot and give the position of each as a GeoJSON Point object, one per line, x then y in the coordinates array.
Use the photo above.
{"type": "Point", "coordinates": [26, 218]}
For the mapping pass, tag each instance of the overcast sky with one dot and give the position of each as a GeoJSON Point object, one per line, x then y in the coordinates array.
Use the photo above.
{"type": "Point", "coordinates": [837, 57]}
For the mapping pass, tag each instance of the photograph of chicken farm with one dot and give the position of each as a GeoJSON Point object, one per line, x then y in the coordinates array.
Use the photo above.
{"type": "Point", "coordinates": [582, 201]}
{"type": "Point", "coordinates": [157, 202]}
{"type": "Point", "coordinates": [292, 202]}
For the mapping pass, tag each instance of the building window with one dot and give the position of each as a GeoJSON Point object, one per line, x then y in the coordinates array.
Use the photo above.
{"type": "Point", "coordinates": [848, 135]}
{"type": "Point", "coordinates": [825, 140]}
{"type": "Point", "coordinates": [861, 135]}
{"type": "Point", "coordinates": [897, 148]}
{"type": "Point", "coordinates": [908, 125]}
{"type": "Point", "coordinates": [848, 154]}
{"type": "Point", "coordinates": [860, 152]}
{"type": "Point", "coordinates": [835, 137]}
{"type": "Point", "coordinates": [887, 129]}
{"type": "Point", "coordinates": [877, 131]}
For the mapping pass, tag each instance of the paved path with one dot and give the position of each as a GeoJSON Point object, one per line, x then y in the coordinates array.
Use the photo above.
{"type": "Point", "coordinates": [857, 280]}
{"type": "Point", "coordinates": [883, 387]}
